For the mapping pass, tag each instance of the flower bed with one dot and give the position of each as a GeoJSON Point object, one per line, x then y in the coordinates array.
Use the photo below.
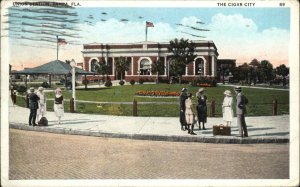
{"type": "Point", "coordinates": [157, 93]}
{"type": "Point", "coordinates": [204, 85]}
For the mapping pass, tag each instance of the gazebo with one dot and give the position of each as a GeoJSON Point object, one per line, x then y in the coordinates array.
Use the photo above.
{"type": "Point", "coordinates": [55, 67]}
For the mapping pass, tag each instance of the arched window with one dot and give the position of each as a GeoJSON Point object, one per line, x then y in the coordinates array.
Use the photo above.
{"type": "Point", "coordinates": [145, 67]}
{"type": "Point", "coordinates": [93, 64]}
{"type": "Point", "coordinates": [199, 67]}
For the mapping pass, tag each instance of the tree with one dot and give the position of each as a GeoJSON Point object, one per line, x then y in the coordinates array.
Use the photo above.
{"type": "Point", "coordinates": [102, 69]}
{"type": "Point", "coordinates": [266, 70]}
{"type": "Point", "coordinates": [254, 63]}
{"type": "Point", "coordinates": [182, 54]}
{"type": "Point", "coordinates": [282, 70]}
{"type": "Point", "coordinates": [158, 68]}
{"type": "Point", "coordinates": [122, 64]}
{"type": "Point", "coordinates": [240, 73]}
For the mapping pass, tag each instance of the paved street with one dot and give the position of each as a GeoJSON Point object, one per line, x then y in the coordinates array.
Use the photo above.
{"type": "Point", "coordinates": [41, 155]}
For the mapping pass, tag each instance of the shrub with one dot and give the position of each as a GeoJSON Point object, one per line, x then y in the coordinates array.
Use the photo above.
{"type": "Point", "coordinates": [141, 81]}
{"type": "Point", "coordinates": [108, 83]}
{"type": "Point", "coordinates": [121, 82]}
{"type": "Point", "coordinates": [132, 82]}
{"type": "Point", "coordinates": [69, 84]}
{"type": "Point", "coordinates": [15, 86]}
{"type": "Point", "coordinates": [45, 85]}
{"type": "Point", "coordinates": [85, 81]}
{"type": "Point", "coordinates": [21, 89]}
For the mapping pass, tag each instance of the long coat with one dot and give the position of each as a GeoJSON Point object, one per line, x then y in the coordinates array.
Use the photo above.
{"type": "Point", "coordinates": [189, 114]}
{"type": "Point", "coordinates": [227, 108]}
{"type": "Point", "coordinates": [240, 104]}
{"type": "Point", "coordinates": [42, 104]}
{"type": "Point", "coordinates": [182, 99]}
{"type": "Point", "coordinates": [202, 108]}
{"type": "Point", "coordinates": [33, 101]}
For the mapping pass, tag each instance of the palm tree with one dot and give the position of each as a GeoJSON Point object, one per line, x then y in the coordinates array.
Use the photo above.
{"type": "Point", "coordinates": [102, 69]}
{"type": "Point", "coordinates": [122, 64]}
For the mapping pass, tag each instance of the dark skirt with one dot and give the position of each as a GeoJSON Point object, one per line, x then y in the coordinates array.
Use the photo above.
{"type": "Point", "coordinates": [182, 118]}
{"type": "Point", "coordinates": [202, 113]}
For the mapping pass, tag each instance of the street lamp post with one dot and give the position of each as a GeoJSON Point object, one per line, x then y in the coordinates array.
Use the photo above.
{"type": "Point", "coordinates": [73, 65]}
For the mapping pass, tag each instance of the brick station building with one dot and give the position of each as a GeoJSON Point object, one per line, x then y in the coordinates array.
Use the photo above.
{"type": "Point", "coordinates": [141, 55]}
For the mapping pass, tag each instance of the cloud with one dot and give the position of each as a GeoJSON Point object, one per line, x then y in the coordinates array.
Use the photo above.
{"type": "Point", "coordinates": [238, 38]}
{"type": "Point", "coordinates": [114, 31]}
{"type": "Point", "coordinates": [235, 36]}
{"type": "Point", "coordinates": [191, 21]}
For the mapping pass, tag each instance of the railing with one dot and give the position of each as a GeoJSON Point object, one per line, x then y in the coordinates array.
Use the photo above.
{"type": "Point", "coordinates": [163, 109]}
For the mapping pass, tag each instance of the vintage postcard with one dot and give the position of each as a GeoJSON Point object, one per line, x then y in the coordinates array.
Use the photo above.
{"type": "Point", "coordinates": [149, 93]}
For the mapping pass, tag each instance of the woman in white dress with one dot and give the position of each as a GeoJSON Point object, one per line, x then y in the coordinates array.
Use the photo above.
{"type": "Point", "coordinates": [227, 108]}
{"type": "Point", "coordinates": [189, 114]}
{"type": "Point", "coordinates": [59, 104]}
{"type": "Point", "coordinates": [41, 103]}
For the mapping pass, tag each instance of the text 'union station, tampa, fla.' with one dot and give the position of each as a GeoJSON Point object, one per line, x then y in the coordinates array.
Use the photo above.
{"type": "Point", "coordinates": [141, 55]}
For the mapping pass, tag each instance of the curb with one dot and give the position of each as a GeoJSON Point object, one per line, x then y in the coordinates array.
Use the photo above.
{"type": "Point", "coordinates": [152, 137]}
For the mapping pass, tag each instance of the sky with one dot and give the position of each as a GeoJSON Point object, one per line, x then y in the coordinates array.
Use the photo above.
{"type": "Point", "coordinates": [238, 33]}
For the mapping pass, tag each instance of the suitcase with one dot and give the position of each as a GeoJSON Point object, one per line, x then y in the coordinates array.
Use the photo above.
{"type": "Point", "coordinates": [221, 130]}
{"type": "Point", "coordinates": [43, 122]}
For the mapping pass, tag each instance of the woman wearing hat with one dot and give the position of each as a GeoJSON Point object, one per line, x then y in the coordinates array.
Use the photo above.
{"type": "Point", "coordinates": [183, 96]}
{"type": "Point", "coordinates": [189, 114]}
{"type": "Point", "coordinates": [227, 108]}
{"type": "Point", "coordinates": [58, 104]}
{"type": "Point", "coordinates": [42, 102]}
{"type": "Point", "coordinates": [201, 108]}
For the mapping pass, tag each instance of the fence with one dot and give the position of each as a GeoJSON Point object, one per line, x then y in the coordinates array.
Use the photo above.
{"type": "Point", "coordinates": [160, 109]}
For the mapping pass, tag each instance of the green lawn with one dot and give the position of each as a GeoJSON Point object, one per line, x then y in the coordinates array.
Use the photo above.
{"type": "Point", "coordinates": [260, 101]}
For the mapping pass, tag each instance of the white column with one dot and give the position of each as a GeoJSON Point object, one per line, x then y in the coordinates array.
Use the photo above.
{"type": "Point", "coordinates": [186, 70]}
{"type": "Point", "coordinates": [204, 67]}
{"type": "Point", "coordinates": [131, 65]}
{"type": "Point", "coordinates": [194, 68]}
{"type": "Point", "coordinates": [113, 65]}
{"type": "Point", "coordinates": [212, 66]}
{"type": "Point", "coordinates": [165, 59]}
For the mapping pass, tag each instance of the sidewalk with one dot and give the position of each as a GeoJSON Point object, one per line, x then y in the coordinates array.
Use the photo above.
{"type": "Point", "coordinates": [263, 129]}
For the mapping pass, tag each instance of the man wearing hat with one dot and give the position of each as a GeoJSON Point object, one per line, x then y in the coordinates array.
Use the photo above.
{"type": "Point", "coordinates": [183, 96]}
{"type": "Point", "coordinates": [33, 106]}
{"type": "Point", "coordinates": [240, 112]}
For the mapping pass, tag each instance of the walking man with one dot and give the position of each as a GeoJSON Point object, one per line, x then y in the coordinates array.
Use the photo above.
{"type": "Point", "coordinates": [183, 96]}
{"type": "Point", "coordinates": [241, 102]}
{"type": "Point", "coordinates": [33, 106]}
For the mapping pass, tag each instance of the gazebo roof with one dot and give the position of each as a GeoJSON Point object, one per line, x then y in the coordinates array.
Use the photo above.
{"type": "Point", "coordinates": [55, 67]}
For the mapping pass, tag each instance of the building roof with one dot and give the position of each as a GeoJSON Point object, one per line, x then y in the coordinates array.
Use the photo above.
{"type": "Point", "coordinates": [55, 67]}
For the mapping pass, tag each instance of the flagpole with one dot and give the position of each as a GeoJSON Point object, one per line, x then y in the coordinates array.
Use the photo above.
{"type": "Point", "coordinates": [56, 47]}
{"type": "Point", "coordinates": [146, 32]}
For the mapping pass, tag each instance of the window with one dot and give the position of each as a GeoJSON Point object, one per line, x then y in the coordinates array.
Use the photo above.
{"type": "Point", "coordinates": [145, 67]}
{"type": "Point", "coordinates": [93, 64]}
{"type": "Point", "coordinates": [199, 67]}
